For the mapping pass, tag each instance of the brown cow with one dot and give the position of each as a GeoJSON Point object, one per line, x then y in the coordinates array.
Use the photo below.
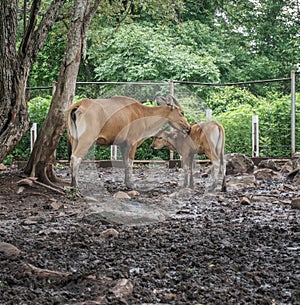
{"type": "Point", "coordinates": [204, 138]}
{"type": "Point", "coordinates": [119, 121]}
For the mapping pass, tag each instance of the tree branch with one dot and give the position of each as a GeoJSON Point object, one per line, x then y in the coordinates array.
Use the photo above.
{"type": "Point", "coordinates": [35, 7]}
{"type": "Point", "coordinates": [87, 20]}
{"type": "Point", "coordinates": [35, 38]}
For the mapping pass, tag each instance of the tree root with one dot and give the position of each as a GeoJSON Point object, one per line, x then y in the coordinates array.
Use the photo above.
{"type": "Point", "coordinates": [30, 180]}
{"type": "Point", "coordinates": [45, 273]}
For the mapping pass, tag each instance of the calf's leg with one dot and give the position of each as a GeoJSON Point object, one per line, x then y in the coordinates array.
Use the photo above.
{"type": "Point", "coordinates": [191, 165]}
{"type": "Point", "coordinates": [214, 176]}
{"type": "Point", "coordinates": [186, 175]}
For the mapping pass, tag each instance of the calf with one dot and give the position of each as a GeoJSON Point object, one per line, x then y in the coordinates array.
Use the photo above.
{"type": "Point", "coordinates": [204, 138]}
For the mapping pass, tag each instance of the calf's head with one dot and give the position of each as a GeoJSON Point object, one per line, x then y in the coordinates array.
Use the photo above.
{"type": "Point", "coordinates": [166, 138]}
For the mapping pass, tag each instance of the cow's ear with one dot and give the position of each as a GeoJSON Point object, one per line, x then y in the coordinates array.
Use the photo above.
{"type": "Point", "coordinates": [160, 100]}
{"type": "Point", "coordinates": [171, 99]}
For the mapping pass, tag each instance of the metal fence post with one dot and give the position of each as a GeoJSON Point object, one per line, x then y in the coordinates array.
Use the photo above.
{"type": "Point", "coordinates": [33, 135]}
{"type": "Point", "coordinates": [293, 113]}
{"type": "Point", "coordinates": [255, 139]}
{"type": "Point", "coordinates": [114, 152]}
{"type": "Point", "coordinates": [172, 87]}
{"type": "Point", "coordinates": [208, 113]}
{"type": "Point", "coordinates": [172, 93]}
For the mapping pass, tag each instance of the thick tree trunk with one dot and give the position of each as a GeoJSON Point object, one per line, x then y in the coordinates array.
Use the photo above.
{"type": "Point", "coordinates": [42, 157]}
{"type": "Point", "coordinates": [15, 67]}
{"type": "Point", "coordinates": [13, 110]}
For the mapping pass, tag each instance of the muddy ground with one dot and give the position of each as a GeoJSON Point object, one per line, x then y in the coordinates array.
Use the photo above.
{"type": "Point", "coordinates": [242, 247]}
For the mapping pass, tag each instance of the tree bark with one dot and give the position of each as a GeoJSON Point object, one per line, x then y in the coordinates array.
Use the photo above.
{"type": "Point", "coordinates": [15, 67]}
{"type": "Point", "coordinates": [41, 160]}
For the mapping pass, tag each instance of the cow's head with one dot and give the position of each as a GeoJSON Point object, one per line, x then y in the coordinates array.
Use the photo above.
{"type": "Point", "coordinates": [174, 113]}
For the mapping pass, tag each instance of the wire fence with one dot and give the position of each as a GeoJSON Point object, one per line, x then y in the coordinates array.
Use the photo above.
{"type": "Point", "coordinates": [186, 93]}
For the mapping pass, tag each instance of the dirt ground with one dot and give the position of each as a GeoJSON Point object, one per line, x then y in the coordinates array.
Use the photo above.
{"type": "Point", "coordinates": [241, 247]}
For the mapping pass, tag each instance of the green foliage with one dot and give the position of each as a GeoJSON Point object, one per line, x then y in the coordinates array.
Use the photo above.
{"type": "Point", "coordinates": [261, 35]}
{"type": "Point", "coordinates": [38, 108]}
{"type": "Point", "coordinates": [143, 52]}
{"type": "Point", "coordinates": [47, 65]}
{"type": "Point", "coordinates": [237, 125]}
{"type": "Point", "coordinates": [145, 152]}
{"type": "Point", "coordinates": [227, 99]}
{"type": "Point", "coordinates": [274, 124]}
{"type": "Point", "coordinates": [71, 191]}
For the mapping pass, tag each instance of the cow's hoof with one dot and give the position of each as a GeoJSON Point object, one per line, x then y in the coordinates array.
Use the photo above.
{"type": "Point", "coordinates": [130, 186]}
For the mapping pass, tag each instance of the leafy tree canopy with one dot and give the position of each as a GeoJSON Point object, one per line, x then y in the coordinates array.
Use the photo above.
{"type": "Point", "coordinates": [143, 52]}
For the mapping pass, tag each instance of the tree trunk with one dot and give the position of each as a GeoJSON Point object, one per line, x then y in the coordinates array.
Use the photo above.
{"type": "Point", "coordinates": [42, 157]}
{"type": "Point", "coordinates": [15, 67]}
{"type": "Point", "coordinates": [13, 111]}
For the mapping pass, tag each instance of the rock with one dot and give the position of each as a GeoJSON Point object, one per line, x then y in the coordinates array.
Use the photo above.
{"type": "Point", "coordinates": [89, 198]}
{"type": "Point", "coordinates": [266, 174]}
{"type": "Point", "coordinates": [262, 198]}
{"type": "Point", "coordinates": [32, 220]}
{"type": "Point", "coordinates": [20, 189]}
{"type": "Point", "coordinates": [131, 212]}
{"type": "Point", "coordinates": [287, 167]}
{"type": "Point", "coordinates": [181, 193]}
{"type": "Point", "coordinates": [296, 163]}
{"type": "Point", "coordinates": [3, 167]}
{"type": "Point", "coordinates": [294, 175]}
{"type": "Point", "coordinates": [238, 164]}
{"type": "Point", "coordinates": [9, 250]}
{"type": "Point", "coordinates": [295, 203]}
{"type": "Point", "coordinates": [123, 288]}
{"type": "Point", "coordinates": [240, 182]}
{"type": "Point", "coordinates": [55, 205]}
{"type": "Point", "coordinates": [121, 195]}
{"type": "Point", "coordinates": [152, 304]}
{"type": "Point", "coordinates": [133, 193]}
{"type": "Point", "coordinates": [109, 233]}
{"type": "Point", "coordinates": [269, 163]}
{"type": "Point", "coordinates": [245, 201]}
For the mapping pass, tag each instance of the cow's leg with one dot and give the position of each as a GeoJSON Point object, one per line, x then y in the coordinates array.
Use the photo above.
{"type": "Point", "coordinates": [82, 147]}
{"type": "Point", "coordinates": [74, 165]}
{"type": "Point", "coordinates": [131, 157]}
{"type": "Point", "coordinates": [128, 163]}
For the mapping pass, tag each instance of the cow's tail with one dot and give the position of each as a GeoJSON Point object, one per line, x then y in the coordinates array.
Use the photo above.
{"type": "Point", "coordinates": [72, 131]}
